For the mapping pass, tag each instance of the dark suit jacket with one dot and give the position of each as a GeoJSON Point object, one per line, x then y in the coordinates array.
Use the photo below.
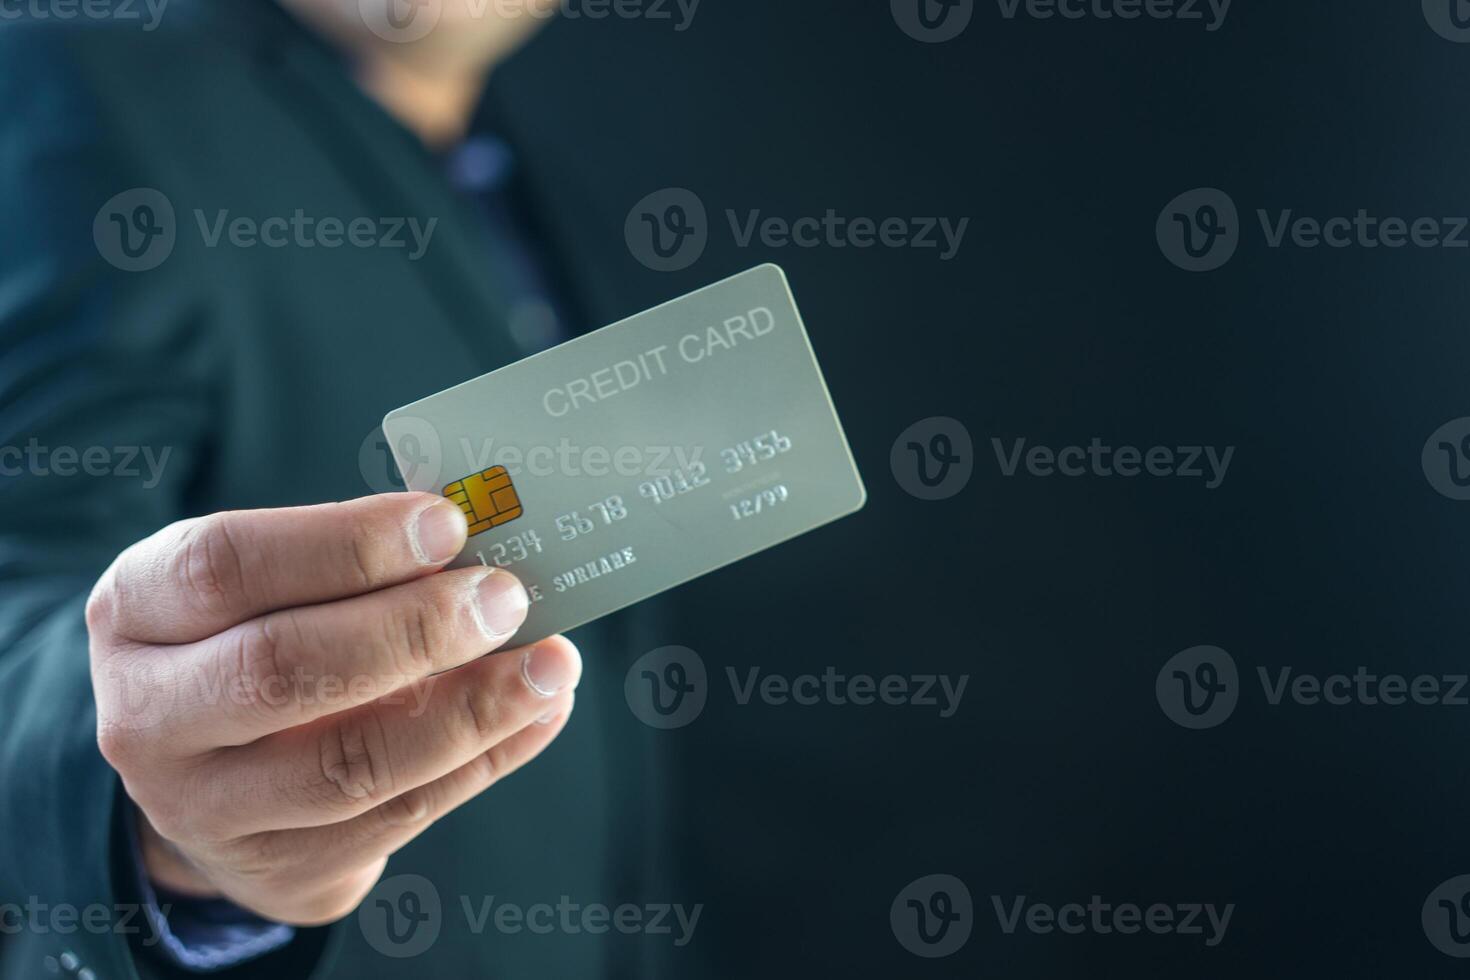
{"type": "Point", "coordinates": [262, 373]}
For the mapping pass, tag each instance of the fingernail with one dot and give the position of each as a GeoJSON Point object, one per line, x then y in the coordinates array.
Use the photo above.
{"type": "Point", "coordinates": [500, 604]}
{"type": "Point", "coordinates": [551, 668]}
{"type": "Point", "coordinates": [439, 533]}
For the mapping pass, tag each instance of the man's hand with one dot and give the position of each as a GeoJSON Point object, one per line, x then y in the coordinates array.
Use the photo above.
{"type": "Point", "coordinates": [266, 686]}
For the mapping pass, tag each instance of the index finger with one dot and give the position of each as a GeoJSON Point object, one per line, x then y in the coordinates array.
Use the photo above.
{"type": "Point", "coordinates": [198, 577]}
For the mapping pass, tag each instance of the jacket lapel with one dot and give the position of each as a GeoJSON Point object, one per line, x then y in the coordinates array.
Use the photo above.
{"type": "Point", "coordinates": [389, 168]}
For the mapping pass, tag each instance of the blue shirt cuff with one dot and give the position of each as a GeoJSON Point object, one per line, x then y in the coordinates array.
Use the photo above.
{"type": "Point", "coordinates": [203, 934]}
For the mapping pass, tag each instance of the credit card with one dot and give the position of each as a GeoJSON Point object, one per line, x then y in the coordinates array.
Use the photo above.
{"type": "Point", "coordinates": [640, 456]}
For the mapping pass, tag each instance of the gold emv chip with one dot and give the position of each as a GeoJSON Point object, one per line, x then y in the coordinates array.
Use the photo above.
{"type": "Point", "coordinates": [488, 499]}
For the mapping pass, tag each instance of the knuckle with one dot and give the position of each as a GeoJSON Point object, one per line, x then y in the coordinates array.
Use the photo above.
{"type": "Point", "coordinates": [490, 765]}
{"type": "Point", "coordinates": [129, 743]}
{"type": "Point", "coordinates": [487, 768]}
{"type": "Point", "coordinates": [118, 744]}
{"type": "Point", "coordinates": [417, 632]}
{"type": "Point", "coordinates": [164, 808]}
{"type": "Point", "coordinates": [175, 802]}
{"type": "Point", "coordinates": [411, 809]}
{"type": "Point", "coordinates": [363, 561]}
{"type": "Point", "coordinates": [483, 710]}
{"type": "Point", "coordinates": [172, 821]}
{"type": "Point", "coordinates": [130, 695]}
{"type": "Point", "coordinates": [262, 661]}
{"type": "Point", "coordinates": [209, 565]}
{"type": "Point", "coordinates": [353, 768]}
{"type": "Point", "coordinates": [267, 859]}
{"type": "Point", "coordinates": [101, 610]}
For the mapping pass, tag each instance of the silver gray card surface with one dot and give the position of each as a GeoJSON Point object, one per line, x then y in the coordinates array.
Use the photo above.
{"type": "Point", "coordinates": [639, 456]}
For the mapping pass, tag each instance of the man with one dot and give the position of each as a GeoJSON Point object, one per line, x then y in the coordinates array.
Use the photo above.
{"type": "Point", "coordinates": [269, 681]}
